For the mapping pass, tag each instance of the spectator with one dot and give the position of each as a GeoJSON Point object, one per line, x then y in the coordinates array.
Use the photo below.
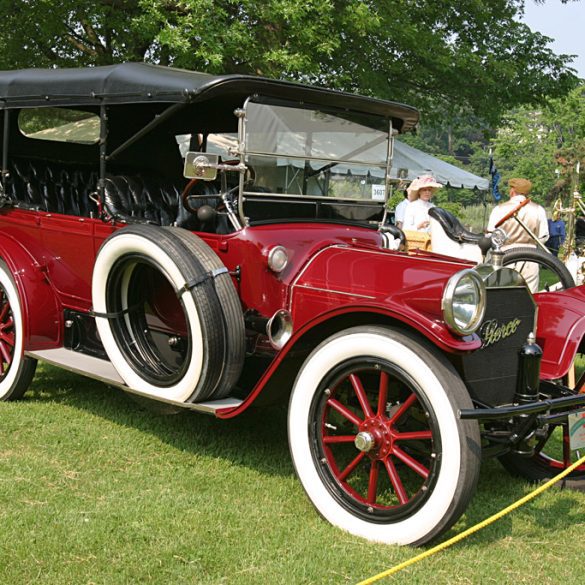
{"type": "Point", "coordinates": [532, 215]}
{"type": "Point", "coordinates": [557, 233]}
{"type": "Point", "coordinates": [420, 192]}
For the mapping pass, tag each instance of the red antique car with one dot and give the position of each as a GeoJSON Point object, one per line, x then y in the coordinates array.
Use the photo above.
{"type": "Point", "coordinates": [216, 243]}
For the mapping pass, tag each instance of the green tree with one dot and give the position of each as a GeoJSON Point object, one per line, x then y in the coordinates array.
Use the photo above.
{"type": "Point", "coordinates": [544, 145]}
{"type": "Point", "coordinates": [450, 58]}
{"type": "Point", "coordinates": [464, 144]}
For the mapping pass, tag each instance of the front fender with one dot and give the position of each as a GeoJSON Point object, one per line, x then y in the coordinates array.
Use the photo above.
{"type": "Point", "coordinates": [560, 329]}
{"type": "Point", "coordinates": [310, 335]}
{"type": "Point", "coordinates": [342, 286]}
{"type": "Point", "coordinates": [41, 309]}
{"type": "Point", "coordinates": [405, 288]}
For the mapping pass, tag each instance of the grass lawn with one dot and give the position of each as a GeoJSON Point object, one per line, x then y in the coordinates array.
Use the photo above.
{"type": "Point", "coordinates": [96, 489]}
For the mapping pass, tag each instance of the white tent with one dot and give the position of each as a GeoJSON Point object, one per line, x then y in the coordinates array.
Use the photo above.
{"type": "Point", "coordinates": [408, 163]}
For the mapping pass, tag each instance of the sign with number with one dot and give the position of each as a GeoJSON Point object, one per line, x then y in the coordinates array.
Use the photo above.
{"type": "Point", "coordinates": [378, 192]}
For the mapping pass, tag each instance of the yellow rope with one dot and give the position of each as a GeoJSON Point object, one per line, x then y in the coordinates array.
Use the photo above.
{"type": "Point", "coordinates": [475, 528]}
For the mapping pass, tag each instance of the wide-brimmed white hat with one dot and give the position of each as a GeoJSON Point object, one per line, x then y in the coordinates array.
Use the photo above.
{"type": "Point", "coordinates": [422, 182]}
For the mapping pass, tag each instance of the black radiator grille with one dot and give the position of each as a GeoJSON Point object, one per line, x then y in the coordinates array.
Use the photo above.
{"type": "Point", "coordinates": [490, 373]}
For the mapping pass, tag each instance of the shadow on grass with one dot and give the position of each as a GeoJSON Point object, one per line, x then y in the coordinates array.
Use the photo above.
{"type": "Point", "coordinates": [255, 439]}
{"type": "Point", "coordinates": [497, 490]}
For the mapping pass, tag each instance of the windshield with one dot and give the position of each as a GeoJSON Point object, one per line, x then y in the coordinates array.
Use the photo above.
{"type": "Point", "coordinates": [313, 154]}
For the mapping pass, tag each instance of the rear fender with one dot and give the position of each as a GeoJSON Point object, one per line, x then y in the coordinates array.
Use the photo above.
{"type": "Point", "coordinates": [41, 309]}
{"type": "Point", "coordinates": [560, 329]}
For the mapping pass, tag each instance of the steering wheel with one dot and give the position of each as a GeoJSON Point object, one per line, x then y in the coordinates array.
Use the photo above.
{"type": "Point", "coordinates": [513, 212]}
{"type": "Point", "coordinates": [186, 194]}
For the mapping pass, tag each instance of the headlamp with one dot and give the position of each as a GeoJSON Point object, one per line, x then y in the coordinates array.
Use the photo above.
{"type": "Point", "coordinates": [464, 302]}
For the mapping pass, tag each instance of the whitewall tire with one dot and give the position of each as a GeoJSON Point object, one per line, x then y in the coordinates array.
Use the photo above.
{"type": "Point", "coordinates": [158, 316]}
{"type": "Point", "coordinates": [16, 370]}
{"type": "Point", "coordinates": [375, 437]}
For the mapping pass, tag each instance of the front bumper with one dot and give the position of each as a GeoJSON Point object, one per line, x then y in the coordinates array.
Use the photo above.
{"type": "Point", "coordinates": [519, 428]}
{"type": "Point", "coordinates": [574, 404]}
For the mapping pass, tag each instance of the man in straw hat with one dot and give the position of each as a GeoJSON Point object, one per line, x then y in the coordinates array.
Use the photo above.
{"type": "Point", "coordinates": [420, 192]}
{"type": "Point", "coordinates": [532, 215]}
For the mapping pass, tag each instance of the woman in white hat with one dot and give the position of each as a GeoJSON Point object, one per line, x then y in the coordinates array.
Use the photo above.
{"type": "Point", "coordinates": [420, 192]}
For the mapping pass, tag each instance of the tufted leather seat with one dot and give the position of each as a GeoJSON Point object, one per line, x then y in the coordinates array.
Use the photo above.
{"type": "Point", "coordinates": [453, 227]}
{"type": "Point", "coordinates": [132, 198]}
{"type": "Point", "coordinates": [22, 187]}
{"type": "Point", "coordinates": [52, 187]}
{"type": "Point", "coordinates": [141, 198]}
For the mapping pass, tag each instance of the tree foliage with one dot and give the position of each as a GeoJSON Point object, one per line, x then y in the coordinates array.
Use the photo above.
{"type": "Point", "coordinates": [450, 58]}
{"type": "Point", "coordinates": [544, 146]}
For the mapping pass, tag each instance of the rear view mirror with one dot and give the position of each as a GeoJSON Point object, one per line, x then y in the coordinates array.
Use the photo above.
{"type": "Point", "coordinates": [200, 165]}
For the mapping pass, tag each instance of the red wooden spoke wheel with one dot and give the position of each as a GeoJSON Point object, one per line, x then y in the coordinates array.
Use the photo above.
{"type": "Point", "coordinates": [7, 333]}
{"type": "Point", "coordinates": [552, 454]}
{"type": "Point", "coordinates": [513, 212]}
{"type": "Point", "coordinates": [555, 453]}
{"type": "Point", "coordinates": [16, 370]}
{"type": "Point", "coordinates": [375, 436]}
{"type": "Point", "coordinates": [378, 439]}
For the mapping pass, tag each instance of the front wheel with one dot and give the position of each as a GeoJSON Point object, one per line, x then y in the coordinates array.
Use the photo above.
{"type": "Point", "coordinates": [552, 455]}
{"type": "Point", "coordinates": [375, 436]}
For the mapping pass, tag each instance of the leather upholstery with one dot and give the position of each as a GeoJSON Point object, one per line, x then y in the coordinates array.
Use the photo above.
{"type": "Point", "coordinates": [145, 198]}
{"type": "Point", "coordinates": [453, 227]}
{"type": "Point", "coordinates": [132, 198]}
{"type": "Point", "coordinates": [56, 188]}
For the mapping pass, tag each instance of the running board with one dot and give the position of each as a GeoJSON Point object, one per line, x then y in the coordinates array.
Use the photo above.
{"type": "Point", "coordinates": [104, 371]}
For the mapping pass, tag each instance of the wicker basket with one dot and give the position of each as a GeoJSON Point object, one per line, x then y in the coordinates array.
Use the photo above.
{"type": "Point", "coordinates": [417, 240]}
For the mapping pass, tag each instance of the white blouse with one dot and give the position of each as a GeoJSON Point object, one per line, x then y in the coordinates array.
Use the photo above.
{"type": "Point", "coordinates": [416, 212]}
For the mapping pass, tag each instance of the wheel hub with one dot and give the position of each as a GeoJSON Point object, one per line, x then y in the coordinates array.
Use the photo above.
{"type": "Point", "coordinates": [382, 438]}
{"type": "Point", "coordinates": [364, 441]}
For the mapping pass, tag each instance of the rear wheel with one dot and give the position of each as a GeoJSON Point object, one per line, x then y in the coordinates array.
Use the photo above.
{"type": "Point", "coordinates": [376, 440]}
{"type": "Point", "coordinates": [16, 370]}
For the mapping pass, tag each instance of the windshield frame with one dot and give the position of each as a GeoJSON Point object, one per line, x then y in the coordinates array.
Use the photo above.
{"type": "Point", "coordinates": [382, 124]}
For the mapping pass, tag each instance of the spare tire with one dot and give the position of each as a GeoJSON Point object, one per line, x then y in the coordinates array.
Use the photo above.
{"type": "Point", "coordinates": [233, 317]}
{"type": "Point", "coordinates": [157, 307]}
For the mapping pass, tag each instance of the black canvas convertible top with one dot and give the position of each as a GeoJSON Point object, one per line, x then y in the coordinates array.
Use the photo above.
{"type": "Point", "coordinates": [138, 83]}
